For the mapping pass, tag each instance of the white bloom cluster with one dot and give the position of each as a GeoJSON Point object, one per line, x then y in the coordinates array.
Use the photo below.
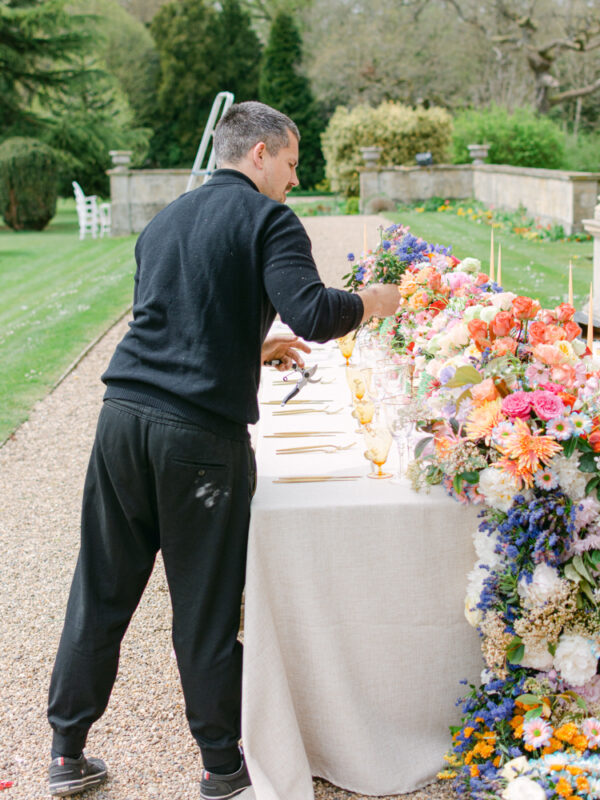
{"type": "Point", "coordinates": [485, 545]}
{"type": "Point", "coordinates": [498, 488]}
{"type": "Point", "coordinates": [545, 583]}
{"type": "Point", "coordinates": [571, 480]}
{"type": "Point", "coordinates": [537, 656]}
{"type": "Point", "coordinates": [523, 788]}
{"type": "Point", "coordinates": [470, 265]}
{"type": "Point", "coordinates": [575, 659]}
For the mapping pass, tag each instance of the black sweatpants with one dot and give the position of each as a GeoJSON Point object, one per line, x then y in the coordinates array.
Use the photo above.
{"type": "Point", "coordinates": [156, 481]}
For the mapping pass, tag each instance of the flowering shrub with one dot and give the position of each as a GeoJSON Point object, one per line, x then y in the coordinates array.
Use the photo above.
{"type": "Point", "coordinates": [511, 400]}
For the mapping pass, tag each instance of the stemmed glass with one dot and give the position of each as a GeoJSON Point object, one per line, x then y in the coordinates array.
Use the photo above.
{"type": "Point", "coordinates": [346, 345]}
{"type": "Point", "coordinates": [401, 413]}
{"type": "Point", "coordinates": [357, 382]}
{"type": "Point", "coordinates": [364, 411]}
{"type": "Point", "coordinates": [378, 440]}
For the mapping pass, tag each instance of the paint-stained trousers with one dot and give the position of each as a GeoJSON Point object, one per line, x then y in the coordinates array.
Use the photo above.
{"type": "Point", "coordinates": [156, 481]}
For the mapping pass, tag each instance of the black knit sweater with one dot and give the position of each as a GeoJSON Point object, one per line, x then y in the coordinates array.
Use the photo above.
{"type": "Point", "coordinates": [213, 268]}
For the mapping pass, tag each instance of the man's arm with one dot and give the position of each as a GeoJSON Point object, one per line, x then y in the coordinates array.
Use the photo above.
{"type": "Point", "coordinates": [379, 300]}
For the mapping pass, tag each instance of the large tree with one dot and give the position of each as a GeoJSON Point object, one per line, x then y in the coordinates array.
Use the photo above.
{"type": "Point", "coordinates": [202, 51]}
{"type": "Point", "coordinates": [284, 86]}
{"type": "Point", "coordinates": [40, 47]}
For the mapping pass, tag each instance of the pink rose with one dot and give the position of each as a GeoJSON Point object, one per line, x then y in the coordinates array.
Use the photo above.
{"type": "Point", "coordinates": [547, 405]}
{"type": "Point", "coordinates": [517, 404]}
{"type": "Point", "coordinates": [457, 279]}
{"type": "Point", "coordinates": [551, 387]}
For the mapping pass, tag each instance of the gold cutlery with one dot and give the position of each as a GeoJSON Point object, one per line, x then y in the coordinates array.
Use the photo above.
{"type": "Point", "coordinates": [316, 478]}
{"type": "Point", "coordinates": [289, 402]}
{"type": "Point", "coordinates": [306, 411]}
{"type": "Point", "coordinates": [291, 434]}
{"type": "Point", "coordinates": [314, 448]}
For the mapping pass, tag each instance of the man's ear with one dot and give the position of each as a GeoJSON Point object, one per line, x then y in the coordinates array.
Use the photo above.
{"type": "Point", "coordinates": [258, 154]}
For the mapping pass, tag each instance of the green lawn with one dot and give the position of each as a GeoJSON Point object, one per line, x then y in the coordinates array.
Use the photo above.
{"type": "Point", "coordinates": [56, 295]}
{"type": "Point", "coordinates": [536, 268]}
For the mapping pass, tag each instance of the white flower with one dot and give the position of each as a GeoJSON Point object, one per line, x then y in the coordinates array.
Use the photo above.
{"type": "Point", "coordinates": [485, 546]}
{"type": "Point", "coordinates": [514, 768]}
{"type": "Point", "coordinates": [503, 300]}
{"type": "Point", "coordinates": [473, 615]}
{"type": "Point", "coordinates": [579, 346]}
{"type": "Point", "coordinates": [488, 313]}
{"type": "Point", "coordinates": [472, 312]}
{"type": "Point", "coordinates": [475, 581]}
{"type": "Point", "coordinates": [545, 582]}
{"type": "Point", "coordinates": [575, 659]}
{"type": "Point", "coordinates": [537, 656]}
{"type": "Point", "coordinates": [498, 488]}
{"type": "Point", "coordinates": [456, 336]}
{"type": "Point", "coordinates": [523, 788]}
{"type": "Point", "coordinates": [470, 265]}
{"type": "Point", "coordinates": [571, 480]}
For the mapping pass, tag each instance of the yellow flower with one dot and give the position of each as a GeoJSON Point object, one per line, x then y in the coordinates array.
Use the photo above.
{"type": "Point", "coordinates": [446, 774]}
{"type": "Point", "coordinates": [582, 785]}
{"type": "Point", "coordinates": [483, 419]}
{"type": "Point", "coordinates": [566, 732]}
{"type": "Point", "coordinates": [563, 787]}
{"type": "Point", "coordinates": [468, 731]}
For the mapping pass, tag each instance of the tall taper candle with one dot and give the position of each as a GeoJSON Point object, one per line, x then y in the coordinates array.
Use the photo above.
{"type": "Point", "coordinates": [590, 328]}
{"type": "Point", "coordinates": [570, 283]}
{"type": "Point", "coordinates": [499, 275]}
{"type": "Point", "coordinates": [492, 256]}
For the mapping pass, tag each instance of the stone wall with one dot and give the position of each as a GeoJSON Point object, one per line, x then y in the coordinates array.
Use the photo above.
{"type": "Point", "coordinates": [138, 195]}
{"type": "Point", "coordinates": [552, 196]}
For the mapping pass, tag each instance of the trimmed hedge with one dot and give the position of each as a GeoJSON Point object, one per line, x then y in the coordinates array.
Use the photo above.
{"type": "Point", "coordinates": [29, 172]}
{"type": "Point", "coordinates": [521, 137]}
{"type": "Point", "coordinates": [400, 131]}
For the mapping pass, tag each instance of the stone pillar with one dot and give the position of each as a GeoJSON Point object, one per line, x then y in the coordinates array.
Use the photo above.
{"type": "Point", "coordinates": [592, 226]}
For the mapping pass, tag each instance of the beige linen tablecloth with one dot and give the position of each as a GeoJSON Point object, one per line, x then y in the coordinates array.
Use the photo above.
{"type": "Point", "coordinates": [355, 638]}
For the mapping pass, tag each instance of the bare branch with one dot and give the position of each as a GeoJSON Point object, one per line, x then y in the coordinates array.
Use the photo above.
{"type": "Point", "coordinates": [571, 93]}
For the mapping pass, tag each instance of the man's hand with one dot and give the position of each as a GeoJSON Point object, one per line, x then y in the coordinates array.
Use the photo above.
{"type": "Point", "coordinates": [283, 347]}
{"type": "Point", "coordinates": [380, 300]}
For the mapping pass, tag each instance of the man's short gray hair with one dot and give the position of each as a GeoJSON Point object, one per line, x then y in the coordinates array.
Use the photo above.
{"type": "Point", "coordinates": [244, 125]}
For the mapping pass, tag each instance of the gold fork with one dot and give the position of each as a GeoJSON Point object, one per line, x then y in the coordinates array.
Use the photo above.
{"type": "Point", "coordinates": [314, 448]}
{"type": "Point", "coordinates": [307, 411]}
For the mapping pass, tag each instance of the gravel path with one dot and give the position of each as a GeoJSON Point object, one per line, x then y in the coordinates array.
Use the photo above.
{"type": "Point", "coordinates": [143, 735]}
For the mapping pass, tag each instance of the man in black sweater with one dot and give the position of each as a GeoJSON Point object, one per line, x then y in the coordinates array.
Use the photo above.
{"type": "Point", "coordinates": [172, 467]}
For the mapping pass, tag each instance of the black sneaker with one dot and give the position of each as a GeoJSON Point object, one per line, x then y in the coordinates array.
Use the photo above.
{"type": "Point", "coordinates": [218, 787]}
{"type": "Point", "coordinates": [72, 775]}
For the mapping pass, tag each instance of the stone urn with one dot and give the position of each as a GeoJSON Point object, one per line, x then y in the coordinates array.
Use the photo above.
{"type": "Point", "coordinates": [478, 152]}
{"type": "Point", "coordinates": [370, 156]}
{"type": "Point", "coordinates": [120, 158]}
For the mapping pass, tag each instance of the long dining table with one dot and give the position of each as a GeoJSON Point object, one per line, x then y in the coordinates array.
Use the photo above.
{"type": "Point", "coordinates": [355, 640]}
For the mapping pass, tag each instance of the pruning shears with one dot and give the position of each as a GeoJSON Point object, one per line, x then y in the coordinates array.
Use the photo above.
{"type": "Point", "coordinates": [306, 376]}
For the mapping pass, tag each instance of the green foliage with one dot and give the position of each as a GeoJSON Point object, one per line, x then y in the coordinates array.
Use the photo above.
{"type": "Point", "coordinates": [521, 138]}
{"type": "Point", "coordinates": [202, 51]}
{"type": "Point", "coordinates": [38, 43]}
{"type": "Point", "coordinates": [582, 153]}
{"type": "Point", "coordinates": [125, 49]}
{"type": "Point", "coordinates": [28, 183]}
{"type": "Point", "coordinates": [400, 131]}
{"type": "Point", "coordinates": [283, 86]}
{"type": "Point", "coordinates": [93, 120]}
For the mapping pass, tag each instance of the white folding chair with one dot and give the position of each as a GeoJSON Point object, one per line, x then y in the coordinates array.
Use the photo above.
{"type": "Point", "coordinates": [87, 212]}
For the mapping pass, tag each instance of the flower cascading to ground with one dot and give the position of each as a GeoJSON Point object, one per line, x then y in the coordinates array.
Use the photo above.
{"type": "Point", "coordinates": [511, 400]}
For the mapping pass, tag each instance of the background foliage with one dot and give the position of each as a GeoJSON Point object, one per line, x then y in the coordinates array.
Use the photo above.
{"type": "Point", "coordinates": [283, 86]}
{"type": "Point", "coordinates": [400, 131]}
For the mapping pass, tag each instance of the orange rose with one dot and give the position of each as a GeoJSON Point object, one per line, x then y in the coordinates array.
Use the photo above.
{"type": "Point", "coordinates": [564, 312]}
{"type": "Point", "coordinates": [502, 323]}
{"type": "Point", "coordinates": [478, 329]}
{"type": "Point", "coordinates": [537, 333]}
{"type": "Point", "coordinates": [525, 307]}
{"type": "Point", "coordinates": [594, 440]}
{"type": "Point", "coordinates": [504, 345]}
{"type": "Point", "coordinates": [572, 330]}
{"type": "Point", "coordinates": [555, 333]}
{"type": "Point", "coordinates": [484, 391]}
{"type": "Point", "coordinates": [419, 300]}
{"type": "Point", "coordinates": [435, 282]}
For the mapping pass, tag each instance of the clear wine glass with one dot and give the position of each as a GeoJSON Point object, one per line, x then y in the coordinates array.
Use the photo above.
{"type": "Point", "coordinates": [378, 440]}
{"type": "Point", "coordinates": [400, 413]}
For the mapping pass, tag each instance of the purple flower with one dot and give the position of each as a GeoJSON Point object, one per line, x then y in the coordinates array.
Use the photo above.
{"type": "Point", "coordinates": [350, 256]}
